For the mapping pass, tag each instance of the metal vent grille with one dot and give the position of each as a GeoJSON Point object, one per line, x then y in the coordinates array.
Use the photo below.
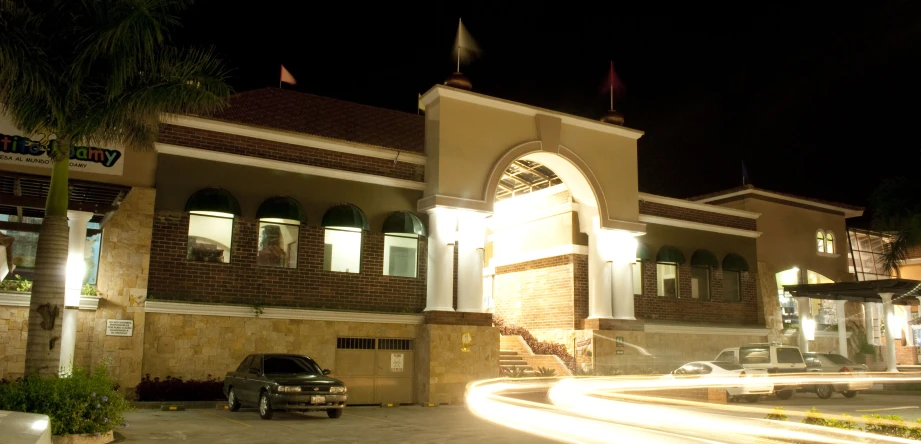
{"type": "Point", "coordinates": [355, 344]}
{"type": "Point", "coordinates": [394, 344]}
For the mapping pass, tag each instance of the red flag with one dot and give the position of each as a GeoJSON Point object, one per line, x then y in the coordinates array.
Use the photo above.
{"type": "Point", "coordinates": [613, 83]}
{"type": "Point", "coordinates": [287, 77]}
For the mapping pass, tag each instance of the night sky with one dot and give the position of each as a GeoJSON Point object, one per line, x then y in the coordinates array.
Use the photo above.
{"type": "Point", "coordinates": [819, 102]}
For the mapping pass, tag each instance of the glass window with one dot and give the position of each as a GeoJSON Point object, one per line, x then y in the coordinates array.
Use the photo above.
{"type": "Point", "coordinates": [278, 243]}
{"type": "Point", "coordinates": [732, 286]}
{"type": "Point", "coordinates": [838, 359]}
{"type": "Point", "coordinates": [400, 253]}
{"type": "Point", "coordinates": [342, 251]}
{"type": "Point", "coordinates": [244, 366]}
{"type": "Point", "coordinates": [820, 241]}
{"type": "Point", "coordinates": [727, 356]}
{"type": "Point", "coordinates": [638, 277]}
{"type": "Point", "coordinates": [789, 355]}
{"type": "Point", "coordinates": [728, 366]}
{"type": "Point", "coordinates": [667, 280]}
{"type": "Point", "coordinates": [704, 369]}
{"type": "Point", "coordinates": [829, 242]}
{"type": "Point", "coordinates": [291, 365]}
{"type": "Point", "coordinates": [25, 246]}
{"type": "Point", "coordinates": [754, 355]}
{"type": "Point", "coordinates": [91, 254]}
{"type": "Point", "coordinates": [700, 283]}
{"type": "Point", "coordinates": [255, 366]}
{"type": "Point", "coordinates": [210, 234]}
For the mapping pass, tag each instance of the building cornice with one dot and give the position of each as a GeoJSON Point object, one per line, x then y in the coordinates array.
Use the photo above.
{"type": "Point", "coordinates": [237, 311]}
{"type": "Point", "coordinates": [323, 143]}
{"type": "Point", "coordinates": [848, 212]}
{"type": "Point", "coordinates": [278, 165]}
{"type": "Point", "coordinates": [438, 91]}
{"type": "Point", "coordinates": [658, 220]}
{"type": "Point", "coordinates": [697, 206]}
{"type": "Point", "coordinates": [22, 299]}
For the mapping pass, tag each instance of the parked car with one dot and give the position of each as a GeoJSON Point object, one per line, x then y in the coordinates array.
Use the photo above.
{"type": "Point", "coordinates": [774, 358]}
{"type": "Point", "coordinates": [752, 383]}
{"type": "Point", "coordinates": [24, 428]}
{"type": "Point", "coordinates": [836, 364]}
{"type": "Point", "coordinates": [283, 382]}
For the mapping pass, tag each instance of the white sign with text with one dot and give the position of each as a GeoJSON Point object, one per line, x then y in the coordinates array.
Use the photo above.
{"type": "Point", "coordinates": [396, 362]}
{"type": "Point", "coordinates": [119, 327]}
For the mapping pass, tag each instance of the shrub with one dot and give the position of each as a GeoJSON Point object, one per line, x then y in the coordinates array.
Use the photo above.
{"type": "Point", "coordinates": [538, 347]}
{"type": "Point", "coordinates": [844, 423]}
{"type": "Point", "coordinates": [82, 402]}
{"type": "Point", "coordinates": [88, 290]}
{"type": "Point", "coordinates": [892, 425]}
{"type": "Point", "coordinates": [514, 372]}
{"type": "Point", "coordinates": [813, 417]}
{"type": "Point", "coordinates": [777, 414]}
{"type": "Point", "coordinates": [175, 389]}
{"type": "Point", "coordinates": [545, 372]}
{"type": "Point", "coordinates": [16, 284]}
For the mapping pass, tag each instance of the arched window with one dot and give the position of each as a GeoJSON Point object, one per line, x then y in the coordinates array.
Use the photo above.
{"type": "Point", "coordinates": [211, 214]}
{"type": "Point", "coordinates": [280, 220]}
{"type": "Point", "coordinates": [344, 225]}
{"type": "Point", "coordinates": [402, 231]}
{"type": "Point", "coordinates": [820, 241]}
{"type": "Point", "coordinates": [829, 242]}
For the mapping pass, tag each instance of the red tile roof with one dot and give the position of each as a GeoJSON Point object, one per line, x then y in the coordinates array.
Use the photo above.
{"type": "Point", "coordinates": [299, 112]}
{"type": "Point", "coordinates": [752, 187]}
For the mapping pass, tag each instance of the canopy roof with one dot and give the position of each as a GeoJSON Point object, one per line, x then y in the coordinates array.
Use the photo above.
{"type": "Point", "coordinates": [903, 291]}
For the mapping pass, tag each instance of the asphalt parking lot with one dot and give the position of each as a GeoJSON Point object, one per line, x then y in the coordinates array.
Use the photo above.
{"type": "Point", "coordinates": [906, 406]}
{"type": "Point", "coordinates": [445, 424]}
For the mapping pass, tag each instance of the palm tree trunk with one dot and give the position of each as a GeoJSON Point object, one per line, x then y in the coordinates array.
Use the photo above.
{"type": "Point", "coordinates": [46, 310]}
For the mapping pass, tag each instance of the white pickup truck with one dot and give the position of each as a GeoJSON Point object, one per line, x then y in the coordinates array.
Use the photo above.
{"type": "Point", "coordinates": [774, 358]}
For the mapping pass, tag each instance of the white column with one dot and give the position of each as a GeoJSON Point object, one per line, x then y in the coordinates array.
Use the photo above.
{"type": "Point", "coordinates": [806, 323]}
{"type": "Point", "coordinates": [842, 327]}
{"type": "Point", "coordinates": [600, 297]}
{"type": "Point", "coordinates": [889, 319]}
{"type": "Point", "coordinates": [439, 293]}
{"type": "Point", "coordinates": [76, 270]}
{"type": "Point", "coordinates": [909, 337]}
{"type": "Point", "coordinates": [623, 255]}
{"type": "Point", "coordinates": [868, 321]}
{"type": "Point", "coordinates": [471, 239]}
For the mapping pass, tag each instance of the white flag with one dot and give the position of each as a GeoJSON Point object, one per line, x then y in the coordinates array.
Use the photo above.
{"type": "Point", "coordinates": [465, 48]}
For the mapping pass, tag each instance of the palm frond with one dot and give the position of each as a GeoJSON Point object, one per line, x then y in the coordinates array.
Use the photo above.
{"type": "Point", "coordinates": [897, 210]}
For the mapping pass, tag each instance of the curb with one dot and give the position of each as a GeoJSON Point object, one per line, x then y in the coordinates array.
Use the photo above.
{"type": "Point", "coordinates": [890, 392]}
{"type": "Point", "coordinates": [180, 405]}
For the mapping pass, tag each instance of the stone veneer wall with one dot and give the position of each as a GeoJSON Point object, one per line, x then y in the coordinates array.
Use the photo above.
{"type": "Point", "coordinates": [14, 326]}
{"type": "Point", "coordinates": [684, 308]}
{"type": "Point", "coordinates": [195, 346]}
{"type": "Point", "coordinates": [443, 369]}
{"type": "Point", "coordinates": [242, 281]}
{"type": "Point", "coordinates": [124, 265]}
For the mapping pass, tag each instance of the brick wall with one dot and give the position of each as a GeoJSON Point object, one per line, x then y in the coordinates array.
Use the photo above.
{"type": "Point", "coordinates": [542, 293]}
{"type": "Point", "coordinates": [242, 281]}
{"type": "Point", "coordinates": [267, 149]}
{"type": "Point", "coordinates": [684, 308]}
{"type": "Point", "coordinates": [692, 215]}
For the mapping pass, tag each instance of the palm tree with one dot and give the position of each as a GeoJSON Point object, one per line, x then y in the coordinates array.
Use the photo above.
{"type": "Point", "coordinates": [84, 72]}
{"type": "Point", "coordinates": [897, 210]}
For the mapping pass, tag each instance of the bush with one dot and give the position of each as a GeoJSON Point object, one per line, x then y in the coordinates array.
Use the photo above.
{"type": "Point", "coordinates": [813, 417]}
{"type": "Point", "coordinates": [777, 414]}
{"type": "Point", "coordinates": [892, 425]}
{"type": "Point", "coordinates": [538, 347]}
{"type": "Point", "coordinates": [175, 389]}
{"type": "Point", "coordinates": [545, 372]}
{"type": "Point", "coordinates": [16, 284]}
{"type": "Point", "coordinates": [844, 423]}
{"type": "Point", "coordinates": [83, 402]}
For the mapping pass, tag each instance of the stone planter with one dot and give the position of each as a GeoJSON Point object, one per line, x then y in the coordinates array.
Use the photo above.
{"type": "Point", "coordinates": [86, 438]}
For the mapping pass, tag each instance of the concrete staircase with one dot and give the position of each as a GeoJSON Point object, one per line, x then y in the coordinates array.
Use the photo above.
{"type": "Point", "coordinates": [515, 353]}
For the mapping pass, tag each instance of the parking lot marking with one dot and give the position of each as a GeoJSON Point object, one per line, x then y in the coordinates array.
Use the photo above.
{"type": "Point", "coordinates": [228, 419]}
{"type": "Point", "coordinates": [907, 407]}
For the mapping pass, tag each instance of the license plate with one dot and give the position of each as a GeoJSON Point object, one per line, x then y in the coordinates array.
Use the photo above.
{"type": "Point", "coordinates": [318, 400]}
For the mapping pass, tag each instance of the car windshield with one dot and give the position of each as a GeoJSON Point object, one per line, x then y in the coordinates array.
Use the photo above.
{"type": "Point", "coordinates": [291, 365]}
{"type": "Point", "coordinates": [840, 360]}
{"type": "Point", "coordinates": [786, 355]}
{"type": "Point", "coordinates": [727, 365]}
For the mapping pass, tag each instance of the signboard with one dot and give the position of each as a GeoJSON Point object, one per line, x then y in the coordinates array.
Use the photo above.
{"type": "Point", "coordinates": [466, 341]}
{"type": "Point", "coordinates": [118, 327]}
{"type": "Point", "coordinates": [23, 151]}
{"type": "Point", "coordinates": [619, 341]}
{"type": "Point", "coordinates": [396, 362]}
{"type": "Point", "coordinates": [584, 347]}
{"type": "Point", "coordinates": [620, 352]}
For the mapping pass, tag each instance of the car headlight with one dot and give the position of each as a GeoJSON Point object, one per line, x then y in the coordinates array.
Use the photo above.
{"type": "Point", "coordinates": [288, 389]}
{"type": "Point", "coordinates": [337, 389]}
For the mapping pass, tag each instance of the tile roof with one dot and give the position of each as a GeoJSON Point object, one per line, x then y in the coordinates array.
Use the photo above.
{"type": "Point", "coordinates": [794, 196]}
{"type": "Point", "coordinates": [299, 112]}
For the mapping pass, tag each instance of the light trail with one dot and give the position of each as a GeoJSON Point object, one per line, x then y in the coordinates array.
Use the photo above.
{"type": "Point", "coordinates": [629, 410]}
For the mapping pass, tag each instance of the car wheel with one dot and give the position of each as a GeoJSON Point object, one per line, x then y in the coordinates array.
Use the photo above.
{"type": "Point", "coordinates": [232, 402]}
{"type": "Point", "coordinates": [751, 399]}
{"type": "Point", "coordinates": [334, 413]}
{"type": "Point", "coordinates": [265, 409]}
{"type": "Point", "coordinates": [785, 394]}
{"type": "Point", "coordinates": [849, 393]}
{"type": "Point", "coordinates": [824, 391]}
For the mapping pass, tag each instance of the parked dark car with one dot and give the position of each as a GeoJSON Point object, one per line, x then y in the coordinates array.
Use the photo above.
{"type": "Point", "coordinates": [284, 382]}
{"type": "Point", "coordinates": [836, 365]}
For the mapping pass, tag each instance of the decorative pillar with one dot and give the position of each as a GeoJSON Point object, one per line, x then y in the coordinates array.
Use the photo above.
{"type": "Point", "coordinates": [439, 295]}
{"type": "Point", "coordinates": [868, 321]}
{"type": "Point", "coordinates": [909, 337]}
{"type": "Point", "coordinates": [623, 255]}
{"type": "Point", "coordinates": [806, 323]}
{"type": "Point", "coordinates": [76, 270]}
{"type": "Point", "coordinates": [842, 327]}
{"type": "Point", "coordinates": [600, 297]}
{"type": "Point", "coordinates": [890, 337]}
{"type": "Point", "coordinates": [471, 239]}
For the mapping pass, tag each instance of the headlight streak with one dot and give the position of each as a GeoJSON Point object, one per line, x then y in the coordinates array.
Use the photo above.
{"type": "Point", "coordinates": [603, 409]}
